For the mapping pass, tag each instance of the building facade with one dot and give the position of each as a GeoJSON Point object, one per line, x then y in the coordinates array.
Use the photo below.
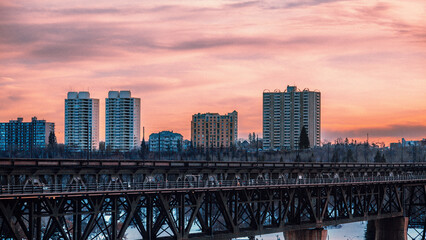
{"type": "Point", "coordinates": [211, 130]}
{"type": "Point", "coordinates": [81, 122]}
{"type": "Point", "coordinates": [23, 136]}
{"type": "Point", "coordinates": [165, 141]}
{"type": "Point", "coordinates": [122, 121]}
{"type": "Point", "coordinates": [286, 113]}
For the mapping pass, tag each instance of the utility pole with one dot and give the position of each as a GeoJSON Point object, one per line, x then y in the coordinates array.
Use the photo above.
{"type": "Point", "coordinates": [31, 132]}
{"type": "Point", "coordinates": [402, 151]}
{"type": "Point", "coordinates": [328, 152]}
{"type": "Point", "coordinates": [143, 143]}
{"type": "Point", "coordinates": [88, 141]}
{"type": "Point", "coordinates": [367, 139]}
{"type": "Point", "coordinates": [257, 146]}
{"type": "Point", "coordinates": [159, 145]}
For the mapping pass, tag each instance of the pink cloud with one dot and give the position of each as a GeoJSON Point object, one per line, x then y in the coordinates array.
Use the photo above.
{"type": "Point", "coordinates": [182, 58]}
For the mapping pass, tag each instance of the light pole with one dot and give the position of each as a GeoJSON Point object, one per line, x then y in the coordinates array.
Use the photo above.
{"type": "Point", "coordinates": [89, 145]}
{"type": "Point", "coordinates": [159, 146]}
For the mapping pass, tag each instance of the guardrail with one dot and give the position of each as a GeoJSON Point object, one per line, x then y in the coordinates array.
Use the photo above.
{"type": "Point", "coordinates": [105, 163]}
{"type": "Point", "coordinates": [170, 185]}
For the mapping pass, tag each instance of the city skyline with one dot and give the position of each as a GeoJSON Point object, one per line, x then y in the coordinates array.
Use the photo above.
{"type": "Point", "coordinates": [367, 59]}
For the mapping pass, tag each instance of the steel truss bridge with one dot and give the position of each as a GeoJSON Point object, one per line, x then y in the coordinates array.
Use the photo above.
{"type": "Point", "coordinates": [109, 199]}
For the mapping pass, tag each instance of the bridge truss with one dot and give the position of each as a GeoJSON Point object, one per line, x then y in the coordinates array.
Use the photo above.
{"type": "Point", "coordinates": [209, 213]}
{"type": "Point", "coordinates": [55, 199]}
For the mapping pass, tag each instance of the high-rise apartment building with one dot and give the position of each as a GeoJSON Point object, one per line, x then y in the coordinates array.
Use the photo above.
{"type": "Point", "coordinates": [81, 122]}
{"type": "Point", "coordinates": [286, 113]}
{"type": "Point", "coordinates": [213, 130]}
{"type": "Point", "coordinates": [23, 136]}
{"type": "Point", "coordinates": [122, 121]}
{"type": "Point", "coordinates": [165, 141]}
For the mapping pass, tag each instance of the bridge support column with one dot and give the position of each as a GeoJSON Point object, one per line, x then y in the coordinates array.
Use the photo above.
{"type": "Point", "coordinates": [308, 234]}
{"type": "Point", "coordinates": [391, 228]}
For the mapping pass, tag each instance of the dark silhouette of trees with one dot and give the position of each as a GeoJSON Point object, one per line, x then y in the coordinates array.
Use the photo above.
{"type": "Point", "coordinates": [298, 158]}
{"type": "Point", "coordinates": [350, 156]}
{"type": "Point", "coordinates": [304, 139]}
{"type": "Point", "coordinates": [52, 139]}
{"type": "Point", "coordinates": [335, 157]}
{"type": "Point", "coordinates": [379, 158]}
{"type": "Point", "coordinates": [52, 144]}
{"type": "Point", "coordinates": [370, 232]}
{"type": "Point", "coordinates": [144, 149]}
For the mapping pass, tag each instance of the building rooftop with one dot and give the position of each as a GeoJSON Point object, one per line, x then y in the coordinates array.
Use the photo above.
{"type": "Point", "coordinates": [119, 94]}
{"type": "Point", "coordinates": [165, 134]}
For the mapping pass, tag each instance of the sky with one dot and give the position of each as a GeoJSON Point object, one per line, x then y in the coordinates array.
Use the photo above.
{"type": "Point", "coordinates": [367, 58]}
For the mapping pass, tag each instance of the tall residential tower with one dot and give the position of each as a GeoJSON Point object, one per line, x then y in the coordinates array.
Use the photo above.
{"type": "Point", "coordinates": [285, 114]}
{"type": "Point", "coordinates": [122, 121]}
{"type": "Point", "coordinates": [81, 122]}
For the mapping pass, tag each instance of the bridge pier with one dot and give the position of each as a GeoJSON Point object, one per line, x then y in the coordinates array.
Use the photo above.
{"type": "Point", "coordinates": [307, 234]}
{"type": "Point", "coordinates": [391, 228]}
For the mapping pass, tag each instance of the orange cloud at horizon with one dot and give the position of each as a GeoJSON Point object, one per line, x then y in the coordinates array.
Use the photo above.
{"type": "Point", "coordinates": [367, 58]}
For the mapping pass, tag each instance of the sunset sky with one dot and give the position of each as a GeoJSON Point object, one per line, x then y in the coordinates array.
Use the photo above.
{"type": "Point", "coordinates": [368, 59]}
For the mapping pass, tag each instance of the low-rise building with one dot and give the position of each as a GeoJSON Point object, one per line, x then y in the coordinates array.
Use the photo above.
{"type": "Point", "coordinates": [22, 136]}
{"type": "Point", "coordinates": [165, 141]}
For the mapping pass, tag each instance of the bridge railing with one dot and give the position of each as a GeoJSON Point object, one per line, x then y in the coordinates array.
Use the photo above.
{"type": "Point", "coordinates": [113, 163]}
{"type": "Point", "coordinates": [202, 184]}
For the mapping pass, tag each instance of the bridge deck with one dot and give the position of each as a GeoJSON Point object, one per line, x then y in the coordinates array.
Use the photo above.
{"type": "Point", "coordinates": [131, 188]}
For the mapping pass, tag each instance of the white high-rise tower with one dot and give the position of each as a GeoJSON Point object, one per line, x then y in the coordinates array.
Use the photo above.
{"type": "Point", "coordinates": [81, 122]}
{"type": "Point", "coordinates": [122, 121]}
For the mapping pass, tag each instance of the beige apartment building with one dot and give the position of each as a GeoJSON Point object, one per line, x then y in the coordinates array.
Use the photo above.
{"type": "Point", "coordinates": [213, 130]}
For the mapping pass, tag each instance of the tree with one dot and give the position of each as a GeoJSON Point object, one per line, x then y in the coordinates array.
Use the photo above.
{"type": "Point", "coordinates": [298, 159]}
{"type": "Point", "coordinates": [179, 146]}
{"type": "Point", "coordinates": [52, 143]}
{"type": "Point", "coordinates": [383, 158]}
{"type": "Point", "coordinates": [349, 156]}
{"type": "Point", "coordinates": [311, 159]}
{"type": "Point", "coordinates": [304, 139]}
{"type": "Point", "coordinates": [378, 157]}
{"type": "Point", "coordinates": [335, 157]}
{"type": "Point", "coordinates": [370, 231]}
{"type": "Point", "coordinates": [52, 140]}
{"type": "Point", "coordinates": [143, 149]}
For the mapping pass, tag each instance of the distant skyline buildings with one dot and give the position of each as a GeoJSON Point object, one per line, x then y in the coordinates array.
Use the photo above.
{"type": "Point", "coordinates": [286, 113]}
{"type": "Point", "coordinates": [313, 139]}
{"type": "Point", "coordinates": [122, 121]}
{"type": "Point", "coordinates": [23, 136]}
{"type": "Point", "coordinates": [81, 122]}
